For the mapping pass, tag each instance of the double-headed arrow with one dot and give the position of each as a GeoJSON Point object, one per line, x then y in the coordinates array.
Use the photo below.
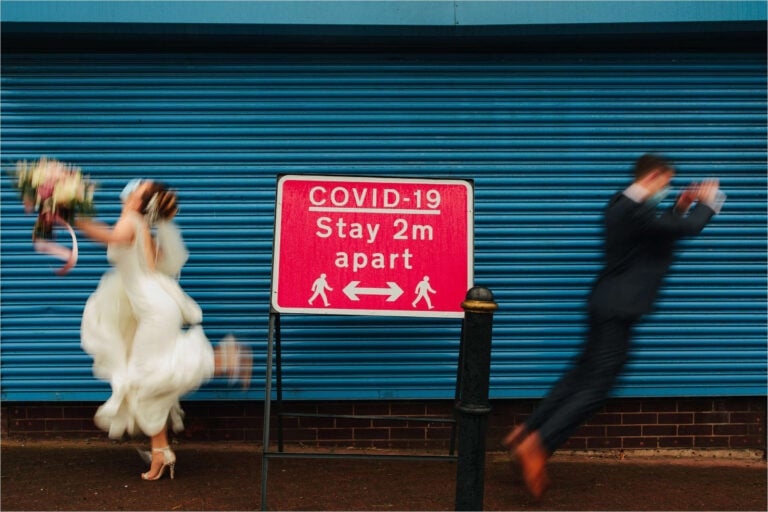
{"type": "Point", "coordinates": [393, 290]}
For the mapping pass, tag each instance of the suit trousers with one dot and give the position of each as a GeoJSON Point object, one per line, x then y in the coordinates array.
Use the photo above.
{"type": "Point", "coordinates": [583, 389]}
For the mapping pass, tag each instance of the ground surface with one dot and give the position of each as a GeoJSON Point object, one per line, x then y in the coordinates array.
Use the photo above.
{"type": "Point", "coordinates": [105, 476]}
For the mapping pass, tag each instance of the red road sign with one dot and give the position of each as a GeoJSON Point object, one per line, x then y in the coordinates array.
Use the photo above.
{"type": "Point", "coordinates": [372, 246]}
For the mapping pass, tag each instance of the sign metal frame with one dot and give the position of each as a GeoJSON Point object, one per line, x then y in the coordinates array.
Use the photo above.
{"type": "Point", "coordinates": [274, 350]}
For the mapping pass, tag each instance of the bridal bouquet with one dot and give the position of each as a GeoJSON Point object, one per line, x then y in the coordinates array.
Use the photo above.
{"type": "Point", "coordinates": [56, 192]}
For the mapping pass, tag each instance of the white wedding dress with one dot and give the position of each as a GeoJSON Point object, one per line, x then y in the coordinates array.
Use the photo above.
{"type": "Point", "coordinates": [133, 327]}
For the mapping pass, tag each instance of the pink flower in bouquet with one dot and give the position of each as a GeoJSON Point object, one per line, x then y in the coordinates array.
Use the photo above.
{"type": "Point", "coordinates": [45, 191]}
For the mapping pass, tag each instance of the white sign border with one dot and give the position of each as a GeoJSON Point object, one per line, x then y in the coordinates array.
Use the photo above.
{"type": "Point", "coordinates": [368, 179]}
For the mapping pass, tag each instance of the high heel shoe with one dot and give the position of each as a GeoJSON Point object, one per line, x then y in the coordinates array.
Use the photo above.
{"type": "Point", "coordinates": [169, 459]}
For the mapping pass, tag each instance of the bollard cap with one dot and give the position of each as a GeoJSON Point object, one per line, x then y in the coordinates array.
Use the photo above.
{"type": "Point", "coordinates": [480, 293]}
{"type": "Point", "coordinates": [479, 300]}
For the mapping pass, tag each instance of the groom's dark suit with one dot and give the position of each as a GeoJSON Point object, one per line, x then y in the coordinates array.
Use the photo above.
{"type": "Point", "coordinates": [638, 248]}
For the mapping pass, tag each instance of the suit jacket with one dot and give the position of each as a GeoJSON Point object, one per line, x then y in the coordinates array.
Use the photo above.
{"type": "Point", "coordinates": [639, 246]}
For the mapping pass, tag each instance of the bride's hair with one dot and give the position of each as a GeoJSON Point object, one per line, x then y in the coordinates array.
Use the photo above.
{"type": "Point", "coordinates": [158, 202]}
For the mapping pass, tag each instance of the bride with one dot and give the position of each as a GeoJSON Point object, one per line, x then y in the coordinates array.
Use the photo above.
{"type": "Point", "coordinates": [133, 323]}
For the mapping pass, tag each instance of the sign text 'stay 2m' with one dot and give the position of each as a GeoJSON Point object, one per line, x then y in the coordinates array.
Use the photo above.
{"type": "Point", "coordinates": [372, 246]}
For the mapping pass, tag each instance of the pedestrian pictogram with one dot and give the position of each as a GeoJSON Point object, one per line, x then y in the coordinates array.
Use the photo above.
{"type": "Point", "coordinates": [372, 246]}
{"type": "Point", "coordinates": [319, 287]}
{"type": "Point", "coordinates": [422, 292]}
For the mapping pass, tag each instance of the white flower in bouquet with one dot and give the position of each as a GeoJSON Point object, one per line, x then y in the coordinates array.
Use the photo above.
{"type": "Point", "coordinates": [67, 190]}
{"type": "Point", "coordinates": [39, 175]}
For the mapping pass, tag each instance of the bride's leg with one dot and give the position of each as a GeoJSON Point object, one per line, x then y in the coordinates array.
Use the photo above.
{"type": "Point", "coordinates": [218, 363]}
{"type": "Point", "coordinates": [234, 360]}
{"type": "Point", "coordinates": [158, 441]}
{"type": "Point", "coordinates": [225, 360]}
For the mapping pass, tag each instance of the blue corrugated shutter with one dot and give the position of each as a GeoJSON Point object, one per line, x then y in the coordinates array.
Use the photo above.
{"type": "Point", "coordinates": [547, 140]}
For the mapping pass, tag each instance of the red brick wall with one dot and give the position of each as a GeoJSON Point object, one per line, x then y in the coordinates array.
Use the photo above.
{"type": "Point", "coordinates": [685, 423]}
{"type": "Point", "coordinates": [696, 423]}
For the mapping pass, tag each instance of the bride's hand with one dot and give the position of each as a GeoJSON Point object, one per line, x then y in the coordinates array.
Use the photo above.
{"type": "Point", "coordinates": [84, 221]}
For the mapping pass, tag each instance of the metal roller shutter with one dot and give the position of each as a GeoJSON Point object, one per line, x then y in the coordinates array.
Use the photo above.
{"type": "Point", "coordinates": [547, 140]}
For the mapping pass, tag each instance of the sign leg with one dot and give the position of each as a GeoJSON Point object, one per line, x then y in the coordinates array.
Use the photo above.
{"type": "Point", "coordinates": [267, 402]}
{"type": "Point", "coordinates": [279, 382]}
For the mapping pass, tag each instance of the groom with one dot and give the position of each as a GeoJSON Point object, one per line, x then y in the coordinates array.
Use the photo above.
{"type": "Point", "coordinates": [638, 252]}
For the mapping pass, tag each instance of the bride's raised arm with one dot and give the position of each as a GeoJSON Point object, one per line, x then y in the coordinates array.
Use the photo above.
{"type": "Point", "coordinates": [121, 233]}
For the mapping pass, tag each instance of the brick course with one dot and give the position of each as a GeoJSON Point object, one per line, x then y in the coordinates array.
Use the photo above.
{"type": "Point", "coordinates": [628, 423]}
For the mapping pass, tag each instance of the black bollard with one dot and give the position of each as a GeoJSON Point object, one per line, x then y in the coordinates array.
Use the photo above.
{"type": "Point", "coordinates": [473, 406]}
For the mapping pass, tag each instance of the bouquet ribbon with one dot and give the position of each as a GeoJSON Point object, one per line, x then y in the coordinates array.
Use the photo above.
{"type": "Point", "coordinates": [59, 251]}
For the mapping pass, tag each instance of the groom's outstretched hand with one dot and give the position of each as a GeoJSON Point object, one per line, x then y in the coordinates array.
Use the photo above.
{"type": "Point", "coordinates": [708, 191]}
{"type": "Point", "coordinates": [687, 198]}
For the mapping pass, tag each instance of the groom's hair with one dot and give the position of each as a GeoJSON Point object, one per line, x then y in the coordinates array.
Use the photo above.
{"type": "Point", "coordinates": [650, 162]}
